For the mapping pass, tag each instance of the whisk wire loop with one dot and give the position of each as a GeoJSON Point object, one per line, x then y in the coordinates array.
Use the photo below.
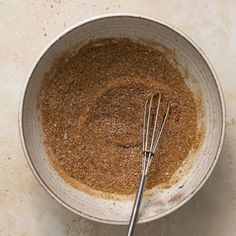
{"type": "Point", "coordinates": [151, 131]}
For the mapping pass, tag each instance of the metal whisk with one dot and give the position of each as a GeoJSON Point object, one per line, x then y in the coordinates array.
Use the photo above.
{"type": "Point", "coordinates": [151, 137]}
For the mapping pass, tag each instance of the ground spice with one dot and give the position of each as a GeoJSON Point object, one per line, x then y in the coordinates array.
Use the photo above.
{"type": "Point", "coordinates": [92, 114]}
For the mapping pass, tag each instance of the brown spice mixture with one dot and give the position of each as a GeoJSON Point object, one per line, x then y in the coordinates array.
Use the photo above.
{"type": "Point", "coordinates": [92, 114]}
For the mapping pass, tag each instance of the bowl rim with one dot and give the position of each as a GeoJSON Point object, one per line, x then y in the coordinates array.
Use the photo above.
{"type": "Point", "coordinates": [22, 99]}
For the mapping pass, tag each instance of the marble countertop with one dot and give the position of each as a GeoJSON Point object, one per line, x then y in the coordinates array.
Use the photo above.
{"type": "Point", "coordinates": [26, 27]}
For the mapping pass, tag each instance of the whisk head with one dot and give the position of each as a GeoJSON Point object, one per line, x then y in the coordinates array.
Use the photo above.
{"type": "Point", "coordinates": [152, 129]}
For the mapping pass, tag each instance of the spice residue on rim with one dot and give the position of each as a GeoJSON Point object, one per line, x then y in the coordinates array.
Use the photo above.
{"type": "Point", "coordinates": [92, 107]}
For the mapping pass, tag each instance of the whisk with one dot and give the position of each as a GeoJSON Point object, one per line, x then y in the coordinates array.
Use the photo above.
{"type": "Point", "coordinates": [151, 137]}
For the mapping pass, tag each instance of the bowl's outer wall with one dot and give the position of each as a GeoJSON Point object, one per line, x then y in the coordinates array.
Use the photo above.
{"type": "Point", "coordinates": [202, 79]}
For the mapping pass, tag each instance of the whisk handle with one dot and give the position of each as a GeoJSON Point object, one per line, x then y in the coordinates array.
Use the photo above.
{"type": "Point", "coordinates": [137, 202]}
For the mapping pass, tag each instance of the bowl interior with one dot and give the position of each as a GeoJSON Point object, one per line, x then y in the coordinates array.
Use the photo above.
{"type": "Point", "coordinates": [200, 80]}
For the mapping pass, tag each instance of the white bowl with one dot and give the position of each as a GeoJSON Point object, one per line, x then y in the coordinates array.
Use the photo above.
{"type": "Point", "coordinates": [202, 80]}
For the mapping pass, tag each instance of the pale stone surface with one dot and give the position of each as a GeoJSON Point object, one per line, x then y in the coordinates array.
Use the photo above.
{"type": "Point", "coordinates": [25, 29]}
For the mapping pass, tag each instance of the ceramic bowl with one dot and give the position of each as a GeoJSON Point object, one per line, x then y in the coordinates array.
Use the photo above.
{"type": "Point", "coordinates": [201, 79]}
